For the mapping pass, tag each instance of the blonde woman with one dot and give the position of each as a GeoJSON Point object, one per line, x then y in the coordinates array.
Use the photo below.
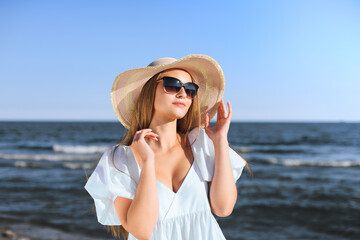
{"type": "Point", "coordinates": [172, 170]}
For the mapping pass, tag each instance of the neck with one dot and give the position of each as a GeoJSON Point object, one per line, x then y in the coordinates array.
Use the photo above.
{"type": "Point", "coordinates": [168, 137]}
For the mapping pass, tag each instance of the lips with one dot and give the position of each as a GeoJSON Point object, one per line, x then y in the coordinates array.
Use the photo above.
{"type": "Point", "coordinates": [180, 104]}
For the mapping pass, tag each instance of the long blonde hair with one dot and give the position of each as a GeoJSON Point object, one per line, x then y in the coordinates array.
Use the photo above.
{"type": "Point", "coordinates": [142, 118]}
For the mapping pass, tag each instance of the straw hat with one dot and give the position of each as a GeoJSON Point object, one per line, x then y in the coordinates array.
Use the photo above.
{"type": "Point", "coordinates": [206, 72]}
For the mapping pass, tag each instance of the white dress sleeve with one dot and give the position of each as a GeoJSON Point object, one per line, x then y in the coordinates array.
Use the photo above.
{"type": "Point", "coordinates": [107, 182]}
{"type": "Point", "coordinates": [204, 150]}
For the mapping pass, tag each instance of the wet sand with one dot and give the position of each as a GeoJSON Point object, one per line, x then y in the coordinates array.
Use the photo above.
{"type": "Point", "coordinates": [14, 230]}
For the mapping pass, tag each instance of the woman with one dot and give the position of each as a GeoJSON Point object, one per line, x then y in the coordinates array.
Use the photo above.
{"type": "Point", "coordinates": [172, 169]}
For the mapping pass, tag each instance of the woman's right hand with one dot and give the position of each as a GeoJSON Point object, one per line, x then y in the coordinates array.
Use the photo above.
{"type": "Point", "coordinates": [141, 146]}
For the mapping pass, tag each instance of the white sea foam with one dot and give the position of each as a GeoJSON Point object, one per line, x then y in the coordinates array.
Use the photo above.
{"type": "Point", "coordinates": [74, 166]}
{"type": "Point", "coordinates": [80, 149]}
{"type": "Point", "coordinates": [273, 160]}
{"type": "Point", "coordinates": [21, 164]}
{"type": "Point", "coordinates": [244, 149]}
{"type": "Point", "coordinates": [48, 157]}
{"type": "Point", "coordinates": [297, 163]}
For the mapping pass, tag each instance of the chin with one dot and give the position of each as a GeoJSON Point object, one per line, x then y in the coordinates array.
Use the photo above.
{"type": "Point", "coordinates": [179, 115]}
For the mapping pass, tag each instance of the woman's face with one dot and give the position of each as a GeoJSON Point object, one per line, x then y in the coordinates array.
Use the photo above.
{"type": "Point", "coordinates": [164, 103]}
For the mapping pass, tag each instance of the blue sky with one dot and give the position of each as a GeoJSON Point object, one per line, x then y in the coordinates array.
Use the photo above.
{"type": "Point", "coordinates": [282, 60]}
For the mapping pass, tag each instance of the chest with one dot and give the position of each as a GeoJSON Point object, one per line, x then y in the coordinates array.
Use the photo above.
{"type": "Point", "coordinates": [191, 197]}
{"type": "Point", "coordinates": [172, 168]}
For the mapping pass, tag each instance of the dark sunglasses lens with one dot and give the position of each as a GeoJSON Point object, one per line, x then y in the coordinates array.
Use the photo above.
{"type": "Point", "coordinates": [190, 90]}
{"type": "Point", "coordinates": [173, 85]}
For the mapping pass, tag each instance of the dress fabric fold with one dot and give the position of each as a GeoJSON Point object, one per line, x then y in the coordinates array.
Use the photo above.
{"type": "Point", "coordinates": [185, 214]}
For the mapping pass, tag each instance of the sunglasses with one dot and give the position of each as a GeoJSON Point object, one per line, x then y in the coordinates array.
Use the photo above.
{"type": "Point", "coordinates": [173, 85]}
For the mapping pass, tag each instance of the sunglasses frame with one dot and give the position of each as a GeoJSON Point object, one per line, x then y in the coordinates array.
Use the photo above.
{"type": "Point", "coordinates": [181, 86]}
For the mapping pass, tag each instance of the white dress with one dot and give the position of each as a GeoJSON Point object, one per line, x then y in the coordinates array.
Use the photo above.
{"type": "Point", "coordinates": [185, 214]}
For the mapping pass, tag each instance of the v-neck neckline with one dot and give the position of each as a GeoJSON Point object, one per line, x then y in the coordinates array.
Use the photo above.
{"type": "Point", "coordinates": [162, 184]}
{"type": "Point", "coordinates": [181, 186]}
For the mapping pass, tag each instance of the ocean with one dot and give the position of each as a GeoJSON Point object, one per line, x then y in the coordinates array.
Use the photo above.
{"type": "Point", "coordinates": [305, 181]}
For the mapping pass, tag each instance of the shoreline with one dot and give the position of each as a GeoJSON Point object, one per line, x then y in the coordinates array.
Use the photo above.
{"type": "Point", "coordinates": [11, 229]}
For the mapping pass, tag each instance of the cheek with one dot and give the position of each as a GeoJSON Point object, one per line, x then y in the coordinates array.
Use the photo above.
{"type": "Point", "coordinates": [189, 106]}
{"type": "Point", "coordinates": [161, 98]}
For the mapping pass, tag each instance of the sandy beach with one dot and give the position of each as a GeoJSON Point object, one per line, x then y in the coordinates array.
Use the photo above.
{"type": "Point", "coordinates": [15, 230]}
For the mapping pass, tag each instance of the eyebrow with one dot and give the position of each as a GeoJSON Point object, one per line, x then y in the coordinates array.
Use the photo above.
{"type": "Point", "coordinates": [177, 78]}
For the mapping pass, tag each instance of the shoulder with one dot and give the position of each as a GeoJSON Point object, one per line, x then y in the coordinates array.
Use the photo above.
{"type": "Point", "coordinates": [114, 157]}
{"type": "Point", "coordinates": [199, 137]}
{"type": "Point", "coordinates": [119, 154]}
{"type": "Point", "coordinates": [124, 161]}
{"type": "Point", "coordinates": [116, 149]}
{"type": "Point", "coordinates": [196, 133]}
{"type": "Point", "coordinates": [203, 151]}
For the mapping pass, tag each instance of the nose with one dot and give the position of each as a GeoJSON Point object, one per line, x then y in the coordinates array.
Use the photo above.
{"type": "Point", "coordinates": [181, 92]}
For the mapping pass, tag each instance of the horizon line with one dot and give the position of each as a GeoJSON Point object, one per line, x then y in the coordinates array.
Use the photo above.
{"type": "Point", "coordinates": [233, 121]}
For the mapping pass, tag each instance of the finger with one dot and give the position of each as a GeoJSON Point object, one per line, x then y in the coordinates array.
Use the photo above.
{"type": "Point", "coordinates": [141, 133]}
{"type": "Point", "coordinates": [207, 118]}
{"type": "Point", "coordinates": [205, 121]}
{"type": "Point", "coordinates": [224, 109]}
{"type": "Point", "coordinates": [221, 110]}
{"type": "Point", "coordinates": [152, 134]}
{"type": "Point", "coordinates": [149, 134]}
{"type": "Point", "coordinates": [144, 130]}
{"type": "Point", "coordinates": [230, 110]}
{"type": "Point", "coordinates": [218, 114]}
{"type": "Point", "coordinates": [152, 137]}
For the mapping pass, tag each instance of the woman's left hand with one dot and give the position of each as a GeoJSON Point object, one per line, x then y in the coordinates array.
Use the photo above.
{"type": "Point", "coordinates": [221, 128]}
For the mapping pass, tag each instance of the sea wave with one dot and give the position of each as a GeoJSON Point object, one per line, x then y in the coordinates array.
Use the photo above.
{"type": "Point", "coordinates": [71, 166]}
{"type": "Point", "coordinates": [80, 149]}
{"type": "Point", "coordinates": [272, 150]}
{"type": "Point", "coordinates": [27, 164]}
{"type": "Point", "coordinates": [280, 151]}
{"type": "Point", "coordinates": [74, 166]}
{"type": "Point", "coordinates": [244, 149]}
{"type": "Point", "coordinates": [295, 163]}
{"type": "Point", "coordinates": [49, 157]}
{"type": "Point", "coordinates": [299, 163]}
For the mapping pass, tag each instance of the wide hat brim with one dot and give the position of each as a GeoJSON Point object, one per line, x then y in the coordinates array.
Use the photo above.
{"type": "Point", "coordinates": [206, 72]}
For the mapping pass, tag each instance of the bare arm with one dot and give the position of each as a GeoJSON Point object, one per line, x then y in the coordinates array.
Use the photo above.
{"type": "Point", "coordinates": [223, 191]}
{"type": "Point", "coordinates": [139, 215]}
